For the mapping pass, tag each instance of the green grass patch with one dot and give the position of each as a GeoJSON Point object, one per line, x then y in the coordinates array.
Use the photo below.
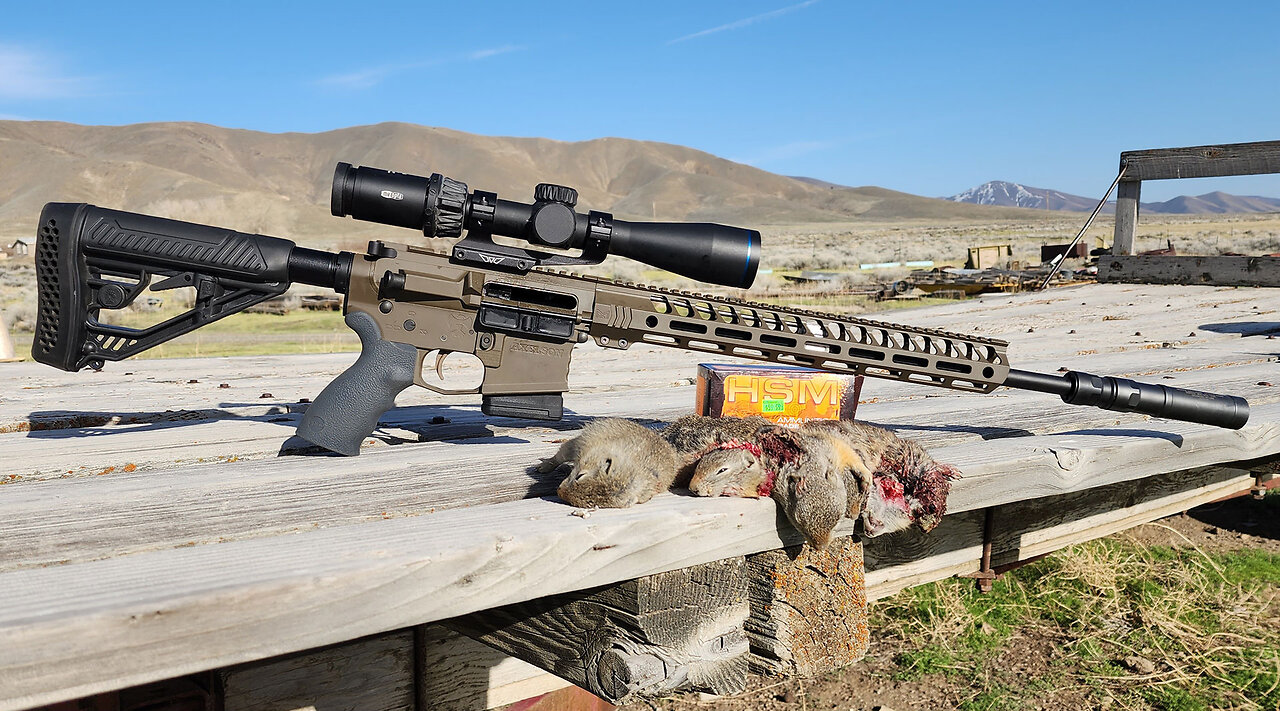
{"type": "Point", "coordinates": [1207, 622]}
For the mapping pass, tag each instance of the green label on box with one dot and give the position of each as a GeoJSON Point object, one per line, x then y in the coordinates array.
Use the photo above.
{"type": "Point", "coordinates": [772, 406]}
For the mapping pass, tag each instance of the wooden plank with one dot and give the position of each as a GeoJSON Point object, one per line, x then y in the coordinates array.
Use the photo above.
{"type": "Point", "coordinates": [129, 513]}
{"type": "Point", "coordinates": [1032, 528]}
{"type": "Point", "coordinates": [136, 618]}
{"type": "Point", "coordinates": [1029, 528]}
{"type": "Point", "coordinates": [808, 609]}
{"type": "Point", "coordinates": [1202, 161]}
{"type": "Point", "coordinates": [908, 558]}
{"type": "Point", "coordinates": [1057, 464]}
{"type": "Point", "coordinates": [72, 630]}
{"type": "Point", "coordinates": [460, 674]}
{"type": "Point", "coordinates": [680, 630]}
{"type": "Point", "coordinates": [119, 448]}
{"type": "Point", "coordinates": [457, 673]}
{"type": "Point", "coordinates": [1128, 195]}
{"type": "Point", "coordinates": [375, 673]}
{"type": "Point", "coordinates": [1218, 271]}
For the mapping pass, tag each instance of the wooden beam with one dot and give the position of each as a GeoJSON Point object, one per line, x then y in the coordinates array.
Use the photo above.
{"type": "Point", "coordinates": [457, 673]}
{"type": "Point", "coordinates": [1127, 206]}
{"type": "Point", "coordinates": [808, 609]}
{"type": "Point", "coordinates": [1202, 161]}
{"type": "Point", "coordinates": [676, 631]}
{"type": "Point", "coordinates": [1213, 271]}
{"type": "Point", "coordinates": [372, 674]}
{"type": "Point", "coordinates": [1028, 528]}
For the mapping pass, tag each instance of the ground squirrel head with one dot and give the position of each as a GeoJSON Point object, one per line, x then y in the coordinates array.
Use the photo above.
{"type": "Point", "coordinates": [595, 481]}
{"type": "Point", "coordinates": [816, 502]}
{"type": "Point", "coordinates": [733, 469]}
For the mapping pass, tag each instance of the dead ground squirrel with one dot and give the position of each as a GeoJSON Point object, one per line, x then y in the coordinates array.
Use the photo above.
{"type": "Point", "coordinates": [695, 436]}
{"type": "Point", "coordinates": [904, 485]}
{"type": "Point", "coordinates": [615, 463]}
{"type": "Point", "coordinates": [810, 484]}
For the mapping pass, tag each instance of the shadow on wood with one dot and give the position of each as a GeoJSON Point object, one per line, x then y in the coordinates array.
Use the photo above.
{"type": "Point", "coordinates": [676, 631]}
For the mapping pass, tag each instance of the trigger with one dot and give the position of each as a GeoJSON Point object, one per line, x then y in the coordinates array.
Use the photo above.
{"type": "Point", "coordinates": [440, 356]}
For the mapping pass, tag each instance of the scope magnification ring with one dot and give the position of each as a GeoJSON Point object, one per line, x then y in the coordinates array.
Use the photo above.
{"type": "Point", "coordinates": [446, 203]}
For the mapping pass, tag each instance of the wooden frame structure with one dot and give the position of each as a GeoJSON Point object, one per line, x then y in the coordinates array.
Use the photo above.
{"type": "Point", "coordinates": [151, 531]}
{"type": "Point", "coordinates": [1189, 162]}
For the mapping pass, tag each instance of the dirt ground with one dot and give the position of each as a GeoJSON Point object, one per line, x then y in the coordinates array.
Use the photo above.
{"type": "Point", "coordinates": [871, 685]}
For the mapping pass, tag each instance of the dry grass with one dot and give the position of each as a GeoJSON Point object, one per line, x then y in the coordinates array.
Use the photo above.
{"type": "Point", "coordinates": [1209, 624]}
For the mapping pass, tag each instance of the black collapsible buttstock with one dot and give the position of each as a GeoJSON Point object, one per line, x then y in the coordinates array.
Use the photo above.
{"type": "Point", "coordinates": [90, 258]}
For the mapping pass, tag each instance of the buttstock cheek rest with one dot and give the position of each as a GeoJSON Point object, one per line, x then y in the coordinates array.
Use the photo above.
{"type": "Point", "coordinates": [347, 410]}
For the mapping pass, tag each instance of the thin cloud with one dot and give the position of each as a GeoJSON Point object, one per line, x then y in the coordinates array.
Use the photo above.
{"type": "Point", "coordinates": [30, 74]}
{"type": "Point", "coordinates": [738, 24]}
{"type": "Point", "coordinates": [372, 76]}
{"type": "Point", "coordinates": [495, 51]}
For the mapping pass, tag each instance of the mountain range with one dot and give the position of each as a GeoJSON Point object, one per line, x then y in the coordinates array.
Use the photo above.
{"type": "Point", "coordinates": [1007, 194]}
{"type": "Point", "coordinates": [279, 183]}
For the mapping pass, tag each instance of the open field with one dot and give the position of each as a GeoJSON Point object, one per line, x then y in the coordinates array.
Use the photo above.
{"type": "Point", "coordinates": [838, 247]}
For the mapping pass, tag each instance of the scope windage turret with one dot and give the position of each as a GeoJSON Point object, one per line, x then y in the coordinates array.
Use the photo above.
{"type": "Point", "coordinates": [443, 207]}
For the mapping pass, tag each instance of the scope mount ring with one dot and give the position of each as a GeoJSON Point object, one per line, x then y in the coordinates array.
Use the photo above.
{"type": "Point", "coordinates": [479, 249]}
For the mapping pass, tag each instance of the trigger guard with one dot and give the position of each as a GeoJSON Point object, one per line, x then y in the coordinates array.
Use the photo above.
{"type": "Point", "coordinates": [421, 381]}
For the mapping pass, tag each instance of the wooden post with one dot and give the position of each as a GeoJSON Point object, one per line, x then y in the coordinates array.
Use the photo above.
{"type": "Point", "coordinates": [457, 673]}
{"type": "Point", "coordinates": [676, 631]}
{"type": "Point", "coordinates": [808, 609]}
{"type": "Point", "coordinates": [1127, 196]}
{"type": "Point", "coordinates": [373, 674]}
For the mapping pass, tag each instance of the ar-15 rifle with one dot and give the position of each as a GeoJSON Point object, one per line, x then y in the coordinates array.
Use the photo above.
{"type": "Point", "coordinates": [498, 302]}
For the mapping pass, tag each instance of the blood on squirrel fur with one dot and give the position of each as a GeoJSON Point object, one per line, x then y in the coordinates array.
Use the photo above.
{"type": "Point", "coordinates": [905, 487]}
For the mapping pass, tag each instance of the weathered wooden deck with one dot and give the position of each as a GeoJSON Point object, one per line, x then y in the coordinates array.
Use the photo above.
{"type": "Point", "coordinates": [156, 519]}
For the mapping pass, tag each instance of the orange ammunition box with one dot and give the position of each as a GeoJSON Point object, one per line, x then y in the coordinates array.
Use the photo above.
{"type": "Point", "coordinates": [783, 394]}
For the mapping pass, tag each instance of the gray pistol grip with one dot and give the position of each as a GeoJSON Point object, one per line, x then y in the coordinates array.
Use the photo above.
{"type": "Point", "coordinates": [347, 410]}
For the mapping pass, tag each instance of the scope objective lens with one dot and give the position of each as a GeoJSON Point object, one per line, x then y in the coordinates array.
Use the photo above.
{"type": "Point", "coordinates": [379, 196]}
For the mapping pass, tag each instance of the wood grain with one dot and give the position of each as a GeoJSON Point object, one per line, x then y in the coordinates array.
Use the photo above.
{"type": "Point", "coordinates": [457, 673]}
{"type": "Point", "coordinates": [681, 630]}
{"type": "Point", "coordinates": [1202, 161]}
{"type": "Point", "coordinates": [375, 673]}
{"type": "Point", "coordinates": [1218, 271]}
{"type": "Point", "coordinates": [808, 609]}
{"type": "Point", "coordinates": [1128, 201]}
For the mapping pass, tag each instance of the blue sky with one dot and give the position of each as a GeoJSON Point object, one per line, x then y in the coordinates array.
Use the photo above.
{"type": "Point", "coordinates": [929, 98]}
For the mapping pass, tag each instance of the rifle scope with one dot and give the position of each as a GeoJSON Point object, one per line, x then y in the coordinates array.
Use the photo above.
{"type": "Point", "coordinates": [443, 207]}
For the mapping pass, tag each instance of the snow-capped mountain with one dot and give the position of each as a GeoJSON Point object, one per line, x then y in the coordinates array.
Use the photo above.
{"type": "Point", "coordinates": [1006, 194]}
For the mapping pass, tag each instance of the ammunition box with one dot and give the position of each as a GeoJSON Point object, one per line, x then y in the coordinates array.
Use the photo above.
{"type": "Point", "coordinates": [783, 394]}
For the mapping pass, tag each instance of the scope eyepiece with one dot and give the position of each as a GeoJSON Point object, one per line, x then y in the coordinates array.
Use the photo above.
{"type": "Point", "coordinates": [443, 207]}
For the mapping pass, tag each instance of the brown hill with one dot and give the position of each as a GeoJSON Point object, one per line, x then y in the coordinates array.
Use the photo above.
{"type": "Point", "coordinates": [279, 183]}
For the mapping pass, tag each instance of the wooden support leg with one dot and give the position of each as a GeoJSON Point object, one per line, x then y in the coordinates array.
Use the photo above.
{"type": "Point", "coordinates": [1126, 216]}
{"type": "Point", "coordinates": [371, 674]}
{"type": "Point", "coordinates": [808, 609]}
{"type": "Point", "coordinates": [457, 673]}
{"type": "Point", "coordinates": [675, 631]}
